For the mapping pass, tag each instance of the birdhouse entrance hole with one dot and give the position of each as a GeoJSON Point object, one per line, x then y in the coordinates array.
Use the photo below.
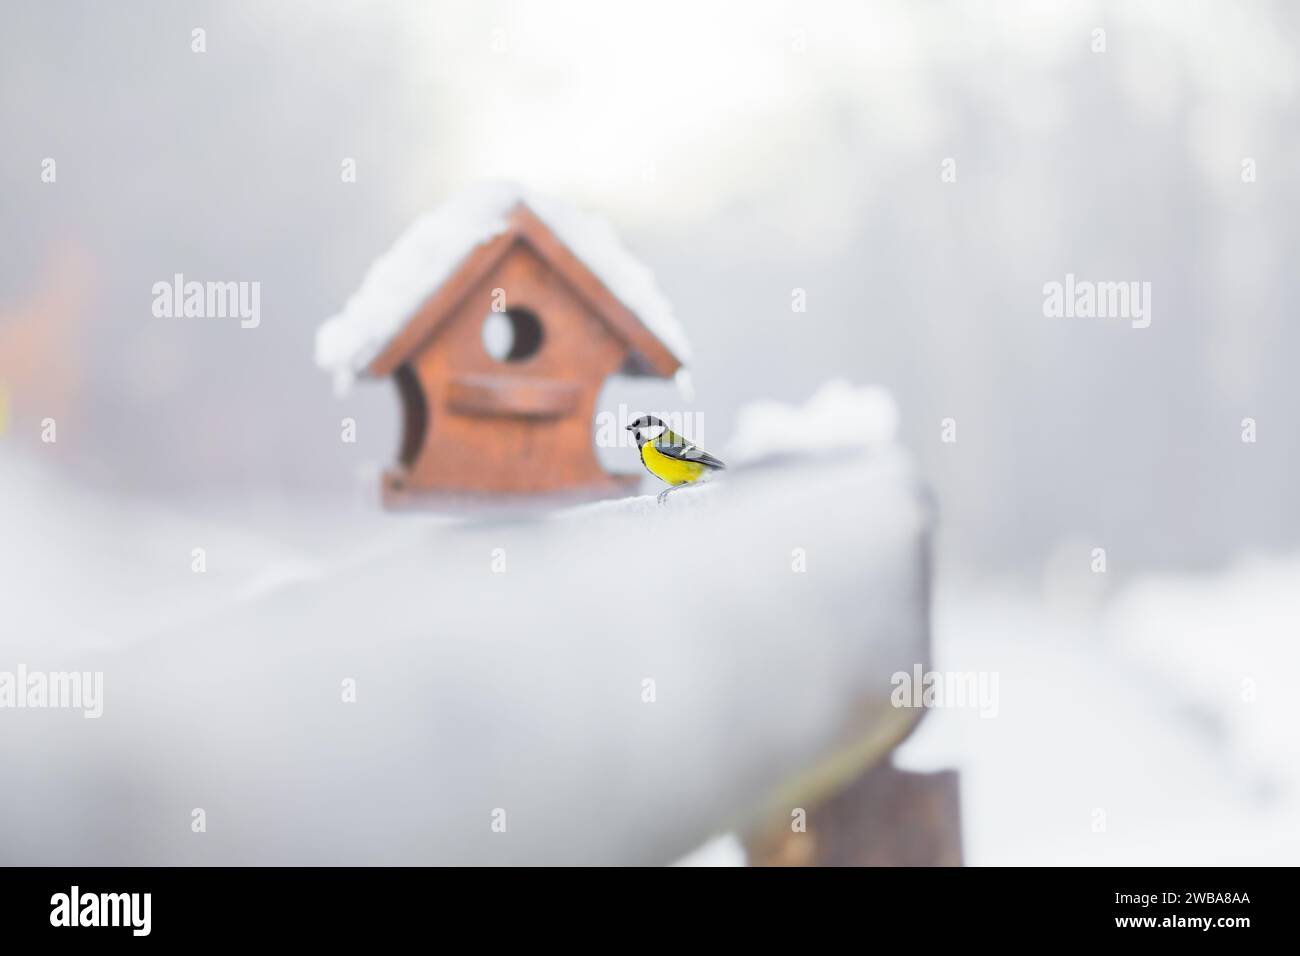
{"type": "Point", "coordinates": [415, 413]}
{"type": "Point", "coordinates": [513, 335]}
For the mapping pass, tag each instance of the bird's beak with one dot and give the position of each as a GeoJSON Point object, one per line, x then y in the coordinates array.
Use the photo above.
{"type": "Point", "coordinates": [631, 428]}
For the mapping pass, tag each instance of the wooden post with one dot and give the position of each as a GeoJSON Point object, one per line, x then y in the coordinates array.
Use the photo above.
{"type": "Point", "coordinates": [887, 817]}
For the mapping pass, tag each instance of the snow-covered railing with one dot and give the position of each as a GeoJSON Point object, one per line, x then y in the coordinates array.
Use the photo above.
{"type": "Point", "coordinates": [614, 683]}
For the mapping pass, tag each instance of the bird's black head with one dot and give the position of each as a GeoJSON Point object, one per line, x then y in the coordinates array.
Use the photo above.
{"type": "Point", "coordinates": [645, 421]}
{"type": "Point", "coordinates": [645, 428]}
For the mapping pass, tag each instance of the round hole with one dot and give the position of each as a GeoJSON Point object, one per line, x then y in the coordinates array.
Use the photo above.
{"type": "Point", "coordinates": [513, 335]}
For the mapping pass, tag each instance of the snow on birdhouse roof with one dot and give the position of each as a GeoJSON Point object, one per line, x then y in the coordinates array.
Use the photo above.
{"type": "Point", "coordinates": [433, 247]}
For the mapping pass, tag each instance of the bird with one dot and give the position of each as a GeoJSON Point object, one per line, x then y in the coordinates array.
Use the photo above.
{"type": "Point", "coordinates": [670, 457]}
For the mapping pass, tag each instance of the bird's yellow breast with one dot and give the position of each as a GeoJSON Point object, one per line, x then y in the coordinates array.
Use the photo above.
{"type": "Point", "coordinates": [669, 469]}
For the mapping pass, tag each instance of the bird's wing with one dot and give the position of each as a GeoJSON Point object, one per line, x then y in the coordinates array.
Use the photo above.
{"type": "Point", "coordinates": [673, 445]}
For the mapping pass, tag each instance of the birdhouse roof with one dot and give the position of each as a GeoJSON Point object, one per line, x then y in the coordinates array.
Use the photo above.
{"type": "Point", "coordinates": [444, 251]}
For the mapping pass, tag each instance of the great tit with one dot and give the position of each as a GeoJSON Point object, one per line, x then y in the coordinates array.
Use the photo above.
{"type": "Point", "coordinates": [670, 457]}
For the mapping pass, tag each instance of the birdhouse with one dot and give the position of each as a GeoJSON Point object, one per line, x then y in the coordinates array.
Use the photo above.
{"type": "Point", "coordinates": [499, 318]}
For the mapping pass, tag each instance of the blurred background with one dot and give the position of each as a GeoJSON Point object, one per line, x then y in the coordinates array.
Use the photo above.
{"type": "Point", "coordinates": [744, 152]}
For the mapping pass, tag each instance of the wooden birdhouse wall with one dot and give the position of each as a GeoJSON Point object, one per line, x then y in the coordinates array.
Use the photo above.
{"type": "Point", "coordinates": [510, 426]}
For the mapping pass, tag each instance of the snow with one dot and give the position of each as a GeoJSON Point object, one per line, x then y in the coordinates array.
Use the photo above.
{"type": "Point", "coordinates": [1228, 643]}
{"type": "Point", "coordinates": [477, 689]}
{"type": "Point", "coordinates": [430, 250]}
{"type": "Point", "coordinates": [838, 417]}
{"type": "Point", "coordinates": [724, 850]}
{"type": "Point", "coordinates": [1139, 713]}
{"type": "Point", "coordinates": [80, 571]}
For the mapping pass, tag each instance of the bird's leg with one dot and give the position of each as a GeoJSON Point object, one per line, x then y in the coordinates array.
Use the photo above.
{"type": "Point", "coordinates": [670, 489]}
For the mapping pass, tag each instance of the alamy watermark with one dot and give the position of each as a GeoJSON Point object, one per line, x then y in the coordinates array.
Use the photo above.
{"type": "Point", "coordinates": [129, 910]}
{"type": "Point", "coordinates": [65, 690]}
{"type": "Point", "coordinates": [1081, 298]}
{"type": "Point", "coordinates": [179, 299]}
{"type": "Point", "coordinates": [946, 689]}
{"type": "Point", "coordinates": [611, 427]}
